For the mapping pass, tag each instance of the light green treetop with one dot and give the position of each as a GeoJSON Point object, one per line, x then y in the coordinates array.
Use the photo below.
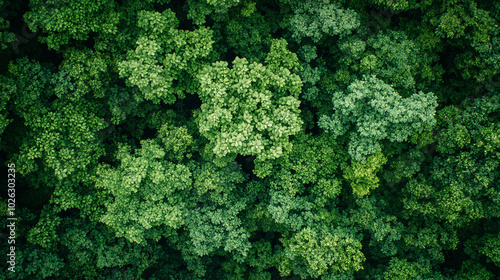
{"type": "Point", "coordinates": [376, 112]}
{"type": "Point", "coordinates": [250, 109]}
{"type": "Point", "coordinates": [166, 59]}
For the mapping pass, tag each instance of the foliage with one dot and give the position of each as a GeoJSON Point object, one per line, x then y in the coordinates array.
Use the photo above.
{"type": "Point", "coordinates": [251, 139]}
{"type": "Point", "coordinates": [5, 36]}
{"type": "Point", "coordinates": [362, 176]}
{"type": "Point", "coordinates": [62, 134]}
{"type": "Point", "coordinates": [393, 58]}
{"type": "Point", "coordinates": [315, 19]}
{"type": "Point", "coordinates": [248, 35]}
{"type": "Point", "coordinates": [377, 112]}
{"type": "Point", "coordinates": [145, 191]}
{"type": "Point", "coordinates": [166, 59]}
{"type": "Point", "coordinates": [250, 109]}
{"type": "Point", "coordinates": [198, 10]}
{"type": "Point", "coordinates": [73, 21]}
{"type": "Point", "coordinates": [460, 185]}
{"type": "Point", "coordinates": [325, 249]}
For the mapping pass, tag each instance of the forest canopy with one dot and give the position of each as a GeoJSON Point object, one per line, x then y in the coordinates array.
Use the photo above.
{"type": "Point", "coordinates": [250, 139]}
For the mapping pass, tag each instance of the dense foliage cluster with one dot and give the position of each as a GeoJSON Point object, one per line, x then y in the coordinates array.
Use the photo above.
{"type": "Point", "coordinates": [251, 139]}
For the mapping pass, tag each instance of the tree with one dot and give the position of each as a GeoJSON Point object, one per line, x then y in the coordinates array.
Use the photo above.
{"type": "Point", "coordinates": [251, 139]}
{"type": "Point", "coordinates": [60, 136]}
{"type": "Point", "coordinates": [246, 32]}
{"type": "Point", "coordinates": [315, 19]}
{"type": "Point", "coordinates": [166, 60]}
{"type": "Point", "coordinates": [393, 58]}
{"type": "Point", "coordinates": [147, 202]}
{"type": "Point", "coordinates": [5, 36]}
{"type": "Point", "coordinates": [250, 109]}
{"type": "Point", "coordinates": [377, 112]}
{"type": "Point", "coordinates": [459, 188]}
{"type": "Point", "coordinates": [73, 21]}
{"type": "Point", "coordinates": [322, 250]}
{"type": "Point", "coordinates": [362, 176]}
{"type": "Point", "coordinates": [198, 10]}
